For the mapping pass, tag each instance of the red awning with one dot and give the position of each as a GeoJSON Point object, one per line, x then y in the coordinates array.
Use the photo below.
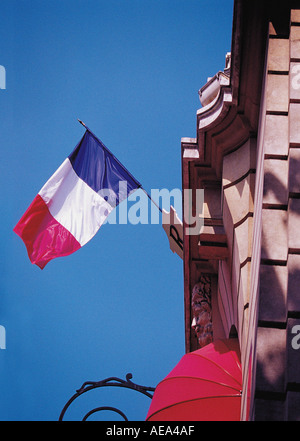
{"type": "Point", "coordinates": [205, 385]}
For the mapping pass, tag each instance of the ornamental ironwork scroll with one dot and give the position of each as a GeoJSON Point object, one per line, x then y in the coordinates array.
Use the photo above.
{"type": "Point", "coordinates": [111, 381]}
{"type": "Point", "coordinates": [202, 310]}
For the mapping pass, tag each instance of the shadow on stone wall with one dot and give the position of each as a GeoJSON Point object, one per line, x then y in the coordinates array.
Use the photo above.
{"type": "Point", "coordinates": [277, 377]}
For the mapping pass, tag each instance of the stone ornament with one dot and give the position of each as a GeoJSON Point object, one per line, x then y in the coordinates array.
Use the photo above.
{"type": "Point", "coordinates": [202, 311]}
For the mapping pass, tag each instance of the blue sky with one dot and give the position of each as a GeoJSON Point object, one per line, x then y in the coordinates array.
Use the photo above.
{"type": "Point", "coordinates": [131, 70]}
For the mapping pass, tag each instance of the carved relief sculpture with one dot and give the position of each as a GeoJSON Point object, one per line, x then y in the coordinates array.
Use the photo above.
{"type": "Point", "coordinates": [201, 310]}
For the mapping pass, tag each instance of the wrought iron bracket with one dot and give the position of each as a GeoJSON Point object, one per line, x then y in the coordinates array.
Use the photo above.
{"type": "Point", "coordinates": [111, 381]}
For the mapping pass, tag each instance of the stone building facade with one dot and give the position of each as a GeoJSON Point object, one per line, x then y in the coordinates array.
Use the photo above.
{"type": "Point", "coordinates": [242, 271]}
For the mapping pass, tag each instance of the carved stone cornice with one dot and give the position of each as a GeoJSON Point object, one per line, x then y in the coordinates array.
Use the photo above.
{"type": "Point", "coordinates": [232, 116]}
{"type": "Point", "coordinates": [228, 119]}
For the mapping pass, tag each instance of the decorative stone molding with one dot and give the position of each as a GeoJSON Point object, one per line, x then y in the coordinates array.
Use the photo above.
{"type": "Point", "coordinates": [246, 158]}
{"type": "Point", "coordinates": [202, 310]}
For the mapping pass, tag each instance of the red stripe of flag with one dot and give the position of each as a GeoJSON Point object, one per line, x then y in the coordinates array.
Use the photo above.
{"type": "Point", "coordinates": [44, 237]}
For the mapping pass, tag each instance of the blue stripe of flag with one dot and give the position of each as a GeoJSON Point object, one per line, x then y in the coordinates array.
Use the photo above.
{"type": "Point", "coordinates": [99, 168]}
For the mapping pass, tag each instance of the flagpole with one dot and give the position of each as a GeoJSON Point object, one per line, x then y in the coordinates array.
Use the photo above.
{"type": "Point", "coordinates": [81, 122]}
{"type": "Point", "coordinates": [151, 199]}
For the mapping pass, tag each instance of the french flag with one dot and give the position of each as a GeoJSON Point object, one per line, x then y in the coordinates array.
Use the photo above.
{"type": "Point", "coordinates": [73, 204]}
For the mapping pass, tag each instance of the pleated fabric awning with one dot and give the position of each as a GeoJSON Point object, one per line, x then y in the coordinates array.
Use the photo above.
{"type": "Point", "coordinates": [205, 385]}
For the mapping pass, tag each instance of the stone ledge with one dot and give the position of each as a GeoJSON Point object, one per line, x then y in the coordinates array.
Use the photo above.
{"type": "Point", "coordinates": [294, 224]}
{"type": "Point", "coordinates": [277, 135]}
{"type": "Point", "coordinates": [239, 199]}
{"type": "Point", "coordinates": [277, 93]}
{"type": "Point", "coordinates": [295, 41]}
{"type": "Point", "coordinates": [273, 293]}
{"type": "Point", "coordinates": [293, 298]}
{"type": "Point", "coordinates": [293, 405]}
{"type": "Point", "coordinates": [294, 120]}
{"type": "Point", "coordinates": [274, 235]}
{"type": "Point", "coordinates": [278, 54]}
{"type": "Point", "coordinates": [293, 350]}
{"type": "Point", "coordinates": [294, 171]}
{"type": "Point", "coordinates": [237, 164]}
{"type": "Point", "coordinates": [276, 191]}
{"type": "Point", "coordinates": [271, 359]}
{"type": "Point", "coordinates": [269, 410]}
